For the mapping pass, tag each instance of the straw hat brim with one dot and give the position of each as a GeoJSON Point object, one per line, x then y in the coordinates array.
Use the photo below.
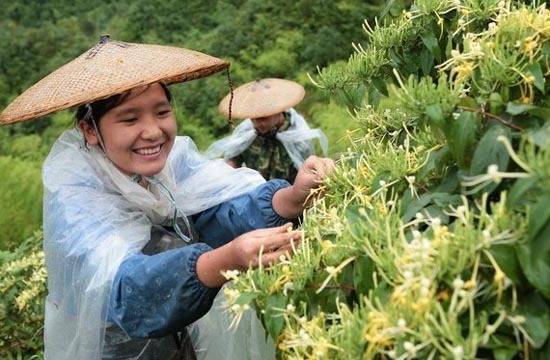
{"type": "Point", "coordinates": [260, 98]}
{"type": "Point", "coordinates": [109, 68]}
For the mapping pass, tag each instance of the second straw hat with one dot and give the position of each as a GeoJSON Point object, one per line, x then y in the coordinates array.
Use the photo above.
{"type": "Point", "coordinates": [263, 97]}
{"type": "Point", "coordinates": [109, 68]}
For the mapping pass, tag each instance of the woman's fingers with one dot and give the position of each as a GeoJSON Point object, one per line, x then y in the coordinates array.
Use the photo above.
{"type": "Point", "coordinates": [277, 241]}
{"type": "Point", "coordinates": [260, 233]}
{"type": "Point", "coordinates": [319, 166]}
{"type": "Point", "coordinates": [286, 250]}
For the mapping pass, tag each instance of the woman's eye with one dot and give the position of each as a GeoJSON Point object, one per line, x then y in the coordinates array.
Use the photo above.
{"type": "Point", "coordinates": [130, 120]}
{"type": "Point", "coordinates": [164, 112]}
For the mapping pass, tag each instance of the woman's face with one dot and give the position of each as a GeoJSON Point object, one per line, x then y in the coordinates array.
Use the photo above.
{"type": "Point", "coordinates": [139, 133]}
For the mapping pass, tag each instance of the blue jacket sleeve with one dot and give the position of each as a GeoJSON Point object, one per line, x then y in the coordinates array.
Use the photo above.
{"type": "Point", "coordinates": [155, 295]}
{"type": "Point", "coordinates": [159, 294]}
{"type": "Point", "coordinates": [253, 210]}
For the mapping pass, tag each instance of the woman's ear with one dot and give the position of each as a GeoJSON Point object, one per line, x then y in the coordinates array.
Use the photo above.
{"type": "Point", "coordinates": [89, 132]}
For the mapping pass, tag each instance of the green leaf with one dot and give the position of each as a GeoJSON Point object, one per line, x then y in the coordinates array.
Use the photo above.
{"type": "Point", "coordinates": [383, 176]}
{"type": "Point", "coordinates": [396, 59]}
{"type": "Point", "coordinates": [540, 216]}
{"type": "Point", "coordinates": [430, 41]}
{"type": "Point", "coordinates": [445, 200]}
{"type": "Point", "coordinates": [504, 353]}
{"type": "Point", "coordinates": [490, 151]}
{"type": "Point", "coordinates": [519, 189]}
{"type": "Point", "coordinates": [516, 108]}
{"type": "Point", "coordinates": [426, 61]}
{"type": "Point", "coordinates": [541, 136]}
{"type": "Point", "coordinates": [461, 137]}
{"type": "Point", "coordinates": [355, 221]}
{"type": "Point", "coordinates": [505, 256]}
{"type": "Point", "coordinates": [540, 112]}
{"type": "Point", "coordinates": [380, 85]}
{"type": "Point", "coordinates": [436, 160]}
{"type": "Point", "coordinates": [387, 8]}
{"type": "Point", "coordinates": [246, 298]}
{"type": "Point", "coordinates": [536, 71]}
{"type": "Point", "coordinates": [542, 353]}
{"type": "Point", "coordinates": [416, 205]}
{"type": "Point", "coordinates": [496, 104]}
{"type": "Point", "coordinates": [534, 255]}
{"type": "Point", "coordinates": [434, 211]}
{"type": "Point", "coordinates": [435, 114]}
{"type": "Point", "coordinates": [274, 319]}
{"type": "Point", "coordinates": [363, 268]}
{"type": "Point", "coordinates": [537, 317]}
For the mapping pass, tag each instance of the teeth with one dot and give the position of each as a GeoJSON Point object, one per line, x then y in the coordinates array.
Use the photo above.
{"type": "Point", "coordinates": [148, 151]}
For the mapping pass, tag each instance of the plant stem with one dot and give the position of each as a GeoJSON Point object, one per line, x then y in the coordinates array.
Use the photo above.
{"type": "Point", "coordinates": [493, 116]}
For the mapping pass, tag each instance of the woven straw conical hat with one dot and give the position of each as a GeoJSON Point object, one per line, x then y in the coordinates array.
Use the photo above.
{"type": "Point", "coordinates": [109, 68]}
{"type": "Point", "coordinates": [261, 98]}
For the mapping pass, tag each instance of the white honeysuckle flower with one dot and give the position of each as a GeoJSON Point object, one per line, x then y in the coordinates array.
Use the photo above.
{"type": "Point", "coordinates": [492, 170]}
{"type": "Point", "coordinates": [424, 291]}
{"type": "Point", "coordinates": [458, 283]}
{"type": "Point", "coordinates": [492, 175]}
{"type": "Point", "coordinates": [288, 286]}
{"type": "Point", "coordinates": [426, 244]}
{"type": "Point", "coordinates": [458, 352]}
{"type": "Point", "coordinates": [231, 274]}
{"type": "Point", "coordinates": [401, 323]}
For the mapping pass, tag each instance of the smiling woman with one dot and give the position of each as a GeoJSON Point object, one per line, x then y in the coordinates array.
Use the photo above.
{"type": "Point", "coordinates": [138, 225]}
{"type": "Point", "coordinates": [137, 134]}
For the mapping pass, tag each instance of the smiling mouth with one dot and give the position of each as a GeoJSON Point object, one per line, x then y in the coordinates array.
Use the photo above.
{"type": "Point", "coordinates": [148, 151]}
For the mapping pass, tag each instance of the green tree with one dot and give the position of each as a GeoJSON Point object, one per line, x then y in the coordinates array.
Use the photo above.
{"type": "Point", "coordinates": [20, 196]}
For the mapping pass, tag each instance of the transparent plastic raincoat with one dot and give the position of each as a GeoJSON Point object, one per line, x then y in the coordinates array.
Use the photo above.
{"type": "Point", "coordinates": [297, 140]}
{"type": "Point", "coordinates": [95, 217]}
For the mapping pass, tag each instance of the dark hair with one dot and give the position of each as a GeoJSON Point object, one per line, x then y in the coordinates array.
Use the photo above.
{"type": "Point", "coordinates": [100, 107]}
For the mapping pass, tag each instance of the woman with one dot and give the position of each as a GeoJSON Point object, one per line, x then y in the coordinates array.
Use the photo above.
{"type": "Point", "coordinates": [138, 226]}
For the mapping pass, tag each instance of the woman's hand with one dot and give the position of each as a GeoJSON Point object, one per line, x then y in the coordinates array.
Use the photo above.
{"type": "Point", "coordinates": [310, 176]}
{"type": "Point", "coordinates": [290, 202]}
{"type": "Point", "coordinates": [270, 243]}
{"type": "Point", "coordinates": [263, 246]}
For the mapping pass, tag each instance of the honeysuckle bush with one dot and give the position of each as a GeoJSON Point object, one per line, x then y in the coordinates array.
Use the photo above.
{"type": "Point", "coordinates": [22, 294]}
{"type": "Point", "coordinates": [433, 237]}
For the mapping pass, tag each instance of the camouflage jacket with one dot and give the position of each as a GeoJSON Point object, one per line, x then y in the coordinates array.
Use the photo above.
{"type": "Point", "coordinates": [268, 156]}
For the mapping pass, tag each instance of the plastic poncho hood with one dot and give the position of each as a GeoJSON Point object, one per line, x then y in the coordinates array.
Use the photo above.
{"type": "Point", "coordinates": [297, 140]}
{"type": "Point", "coordinates": [95, 216]}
